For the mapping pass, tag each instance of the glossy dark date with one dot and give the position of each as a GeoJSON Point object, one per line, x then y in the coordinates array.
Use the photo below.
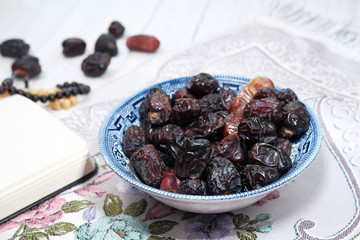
{"type": "Point", "coordinates": [222, 177]}
{"type": "Point", "coordinates": [202, 84]}
{"type": "Point", "coordinates": [257, 176]}
{"type": "Point", "coordinates": [148, 165]}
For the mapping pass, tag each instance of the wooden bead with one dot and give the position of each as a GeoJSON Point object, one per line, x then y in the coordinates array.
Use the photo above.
{"type": "Point", "coordinates": [51, 91]}
{"type": "Point", "coordinates": [4, 94]}
{"type": "Point", "coordinates": [41, 92]}
{"type": "Point", "coordinates": [65, 103]}
{"type": "Point", "coordinates": [73, 100]}
{"type": "Point", "coordinates": [55, 105]}
{"type": "Point", "coordinates": [32, 91]}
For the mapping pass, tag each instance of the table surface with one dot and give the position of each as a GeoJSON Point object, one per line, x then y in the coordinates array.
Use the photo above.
{"type": "Point", "coordinates": [312, 47]}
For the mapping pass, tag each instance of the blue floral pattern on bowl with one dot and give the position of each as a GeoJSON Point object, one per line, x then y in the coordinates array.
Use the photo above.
{"type": "Point", "coordinates": [126, 113]}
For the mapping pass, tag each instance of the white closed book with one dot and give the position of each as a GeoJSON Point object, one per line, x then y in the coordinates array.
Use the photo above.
{"type": "Point", "coordinates": [39, 155]}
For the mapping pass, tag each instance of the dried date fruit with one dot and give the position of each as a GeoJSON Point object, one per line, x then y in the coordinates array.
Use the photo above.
{"type": "Point", "coordinates": [296, 120]}
{"type": "Point", "coordinates": [227, 96]}
{"type": "Point", "coordinates": [27, 66]}
{"type": "Point", "coordinates": [133, 139]}
{"type": "Point", "coordinates": [210, 126]}
{"type": "Point", "coordinates": [95, 64]}
{"type": "Point", "coordinates": [145, 124]}
{"type": "Point", "coordinates": [257, 176]}
{"type": "Point", "coordinates": [211, 103]}
{"type": "Point", "coordinates": [144, 107]}
{"type": "Point", "coordinates": [205, 146]}
{"type": "Point", "coordinates": [106, 43]}
{"type": "Point", "coordinates": [181, 93]}
{"type": "Point", "coordinates": [185, 110]}
{"type": "Point", "coordinates": [254, 129]}
{"type": "Point", "coordinates": [148, 165]}
{"type": "Point", "coordinates": [285, 145]}
{"type": "Point", "coordinates": [215, 151]}
{"type": "Point", "coordinates": [202, 84]}
{"type": "Point", "coordinates": [265, 92]}
{"type": "Point", "coordinates": [231, 149]}
{"type": "Point", "coordinates": [193, 186]}
{"type": "Point", "coordinates": [15, 48]}
{"type": "Point", "coordinates": [116, 29]}
{"type": "Point", "coordinates": [286, 95]}
{"type": "Point", "coordinates": [143, 43]}
{"type": "Point", "coordinates": [193, 157]}
{"type": "Point", "coordinates": [266, 108]}
{"type": "Point", "coordinates": [170, 182]}
{"type": "Point", "coordinates": [159, 109]}
{"type": "Point", "coordinates": [248, 91]}
{"type": "Point", "coordinates": [172, 150]}
{"type": "Point", "coordinates": [269, 155]}
{"type": "Point", "coordinates": [222, 177]}
{"type": "Point", "coordinates": [232, 122]}
{"type": "Point", "coordinates": [73, 47]}
{"type": "Point", "coordinates": [162, 135]}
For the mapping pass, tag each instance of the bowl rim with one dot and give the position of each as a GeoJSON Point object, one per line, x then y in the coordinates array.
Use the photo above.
{"type": "Point", "coordinates": [161, 193]}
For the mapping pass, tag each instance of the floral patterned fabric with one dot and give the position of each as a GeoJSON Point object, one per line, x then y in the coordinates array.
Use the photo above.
{"type": "Point", "coordinates": [110, 208]}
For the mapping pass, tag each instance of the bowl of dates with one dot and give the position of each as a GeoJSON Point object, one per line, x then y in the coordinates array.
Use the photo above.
{"type": "Point", "coordinates": [210, 143]}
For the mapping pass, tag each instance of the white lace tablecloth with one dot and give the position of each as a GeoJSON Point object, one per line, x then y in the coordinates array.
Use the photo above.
{"type": "Point", "coordinates": [323, 203]}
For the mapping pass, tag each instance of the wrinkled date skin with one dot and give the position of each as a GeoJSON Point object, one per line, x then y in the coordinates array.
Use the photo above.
{"type": "Point", "coordinates": [202, 84]}
{"type": "Point", "coordinates": [210, 126]}
{"type": "Point", "coordinates": [296, 120]}
{"type": "Point", "coordinates": [159, 109]}
{"type": "Point", "coordinates": [144, 107]}
{"type": "Point", "coordinates": [269, 155]}
{"type": "Point", "coordinates": [257, 176]}
{"type": "Point", "coordinates": [181, 93]}
{"type": "Point", "coordinates": [222, 177]}
{"type": "Point", "coordinates": [254, 129]}
{"type": "Point", "coordinates": [106, 43]}
{"type": "Point", "coordinates": [193, 158]}
{"type": "Point", "coordinates": [248, 91]}
{"type": "Point", "coordinates": [145, 124]}
{"type": "Point", "coordinates": [148, 165]}
{"type": "Point", "coordinates": [227, 96]}
{"type": "Point", "coordinates": [193, 186]}
{"type": "Point", "coordinates": [231, 149]}
{"type": "Point", "coordinates": [172, 150]}
{"type": "Point", "coordinates": [285, 145]}
{"type": "Point", "coordinates": [95, 64]}
{"type": "Point", "coordinates": [265, 92]}
{"type": "Point", "coordinates": [170, 182]}
{"type": "Point", "coordinates": [266, 108]}
{"type": "Point", "coordinates": [286, 95]}
{"type": "Point", "coordinates": [185, 110]}
{"type": "Point", "coordinates": [27, 66]}
{"type": "Point", "coordinates": [232, 122]}
{"type": "Point", "coordinates": [14, 48]}
{"type": "Point", "coordinates": [162, 135]}
{"type": "Point", "coordinates": [73, 47]}
{"type": "Point", "coordinates": [134, 138]}
{"type": "Point", "coordinates": [143, 43]}
{"type": "Point", "coordinates": [211, 103]}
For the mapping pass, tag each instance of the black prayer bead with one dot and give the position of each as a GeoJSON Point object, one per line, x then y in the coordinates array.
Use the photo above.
{"type": "Point", "coordinates": [51, 97]}
{"type": "Point", "coordinates": [35, 97]}
{"type": "Point", "coordinates": [43, 98]}
{"type": "Point", "coordinates": [12, 90]}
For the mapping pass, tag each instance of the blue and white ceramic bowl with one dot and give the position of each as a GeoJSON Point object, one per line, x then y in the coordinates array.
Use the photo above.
{"type": "Point", "coordinates": [126, 113]}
